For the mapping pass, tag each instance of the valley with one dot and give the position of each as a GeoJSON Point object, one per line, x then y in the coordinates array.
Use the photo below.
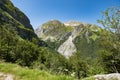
{"type": "Point", "coordinates": [58, 50]}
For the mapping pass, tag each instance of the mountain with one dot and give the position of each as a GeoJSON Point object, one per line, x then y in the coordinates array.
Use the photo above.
{"type": "Point", "coordinates": [53, 30]}
{"type": "Point", "coordinates": [69, 37]}
{"type": "Point", "coordinates": [18, 40]}
{"type": "Point", "coordinates": [12, 17]}
{"type": "Point", "coordinates": [91, 50]}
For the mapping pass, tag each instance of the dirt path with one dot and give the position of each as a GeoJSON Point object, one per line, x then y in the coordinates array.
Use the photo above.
{"type": "Point", "coordinates": [6, 76]}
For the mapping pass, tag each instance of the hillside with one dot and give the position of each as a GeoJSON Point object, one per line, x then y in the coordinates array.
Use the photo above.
{"type": "Point", "coordinates": [15, 19]}
{"type": "Point", "coordinates": [70, 37]}
{"type": "Point", "coordinates": [15, 72]}
{"type": "Point", "coordinates": [10, 71]}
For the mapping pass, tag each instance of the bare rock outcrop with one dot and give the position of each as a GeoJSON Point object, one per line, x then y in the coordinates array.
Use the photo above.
{"type": "Point", "coordinates": [4, 76]}
{"type": "Point", "coordinates": [112, 76]}
{"type": "Point", "coordinates": [67, 48]}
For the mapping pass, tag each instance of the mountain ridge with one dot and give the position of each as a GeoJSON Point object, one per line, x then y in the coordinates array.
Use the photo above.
{"type": "Point", "coordinates": [65, 34]}
{"type": "Point", "coordinates": [12, 16]}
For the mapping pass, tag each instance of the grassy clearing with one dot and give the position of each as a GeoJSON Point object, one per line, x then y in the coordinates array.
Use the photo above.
{"type": "Point", "coordinates": [21, 73]}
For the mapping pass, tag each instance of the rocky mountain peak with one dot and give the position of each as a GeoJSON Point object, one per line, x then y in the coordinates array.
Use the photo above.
{"type": "Point", "coordinates": [72, 23]}
{"type": "Point", "coordinates": [54, 22]}
{"type": "Point", "coordinates": [64, 34]}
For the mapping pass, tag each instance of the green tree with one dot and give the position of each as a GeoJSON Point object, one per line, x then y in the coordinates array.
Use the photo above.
{"type": "Point", "coordinates": [111, 21]}
{"type": "Point", "coordinates": [79, 65]}
{"type": "Point", "coordinates": [26, 53]}
{"type": "Point", "coordinates": [8, 41]}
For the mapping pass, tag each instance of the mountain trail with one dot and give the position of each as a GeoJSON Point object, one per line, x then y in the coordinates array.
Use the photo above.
{"type": "Point", "coordinates": [4, 76]}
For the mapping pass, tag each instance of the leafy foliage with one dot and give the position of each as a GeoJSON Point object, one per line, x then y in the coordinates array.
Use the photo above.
{"type": "Point", "coordinates": [111, 21]}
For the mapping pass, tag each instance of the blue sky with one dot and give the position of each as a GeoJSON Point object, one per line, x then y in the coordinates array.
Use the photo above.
{"type": "Point", "coordinates": [41, 11]}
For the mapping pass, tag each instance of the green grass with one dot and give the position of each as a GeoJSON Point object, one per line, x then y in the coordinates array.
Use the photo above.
{"type": "Point", "coordinates": [21, 73]}
{"type": "Point", "coordinates": [89, 78]}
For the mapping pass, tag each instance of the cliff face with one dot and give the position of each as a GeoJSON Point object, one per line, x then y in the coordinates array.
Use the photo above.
{"type": "Point", "coordinates": [14, 18]}
{"type": "Point", "coordinates": [70, 37]}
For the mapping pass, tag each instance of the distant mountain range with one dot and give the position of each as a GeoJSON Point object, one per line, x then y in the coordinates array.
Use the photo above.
{"type": "Point", "coordinates": [70, 37]}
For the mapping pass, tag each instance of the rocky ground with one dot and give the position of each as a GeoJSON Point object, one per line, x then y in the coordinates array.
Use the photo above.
{"type": "Point", "coordinates": [112, 76]}
{"type": "Point", "coordinates": [4, 76]}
